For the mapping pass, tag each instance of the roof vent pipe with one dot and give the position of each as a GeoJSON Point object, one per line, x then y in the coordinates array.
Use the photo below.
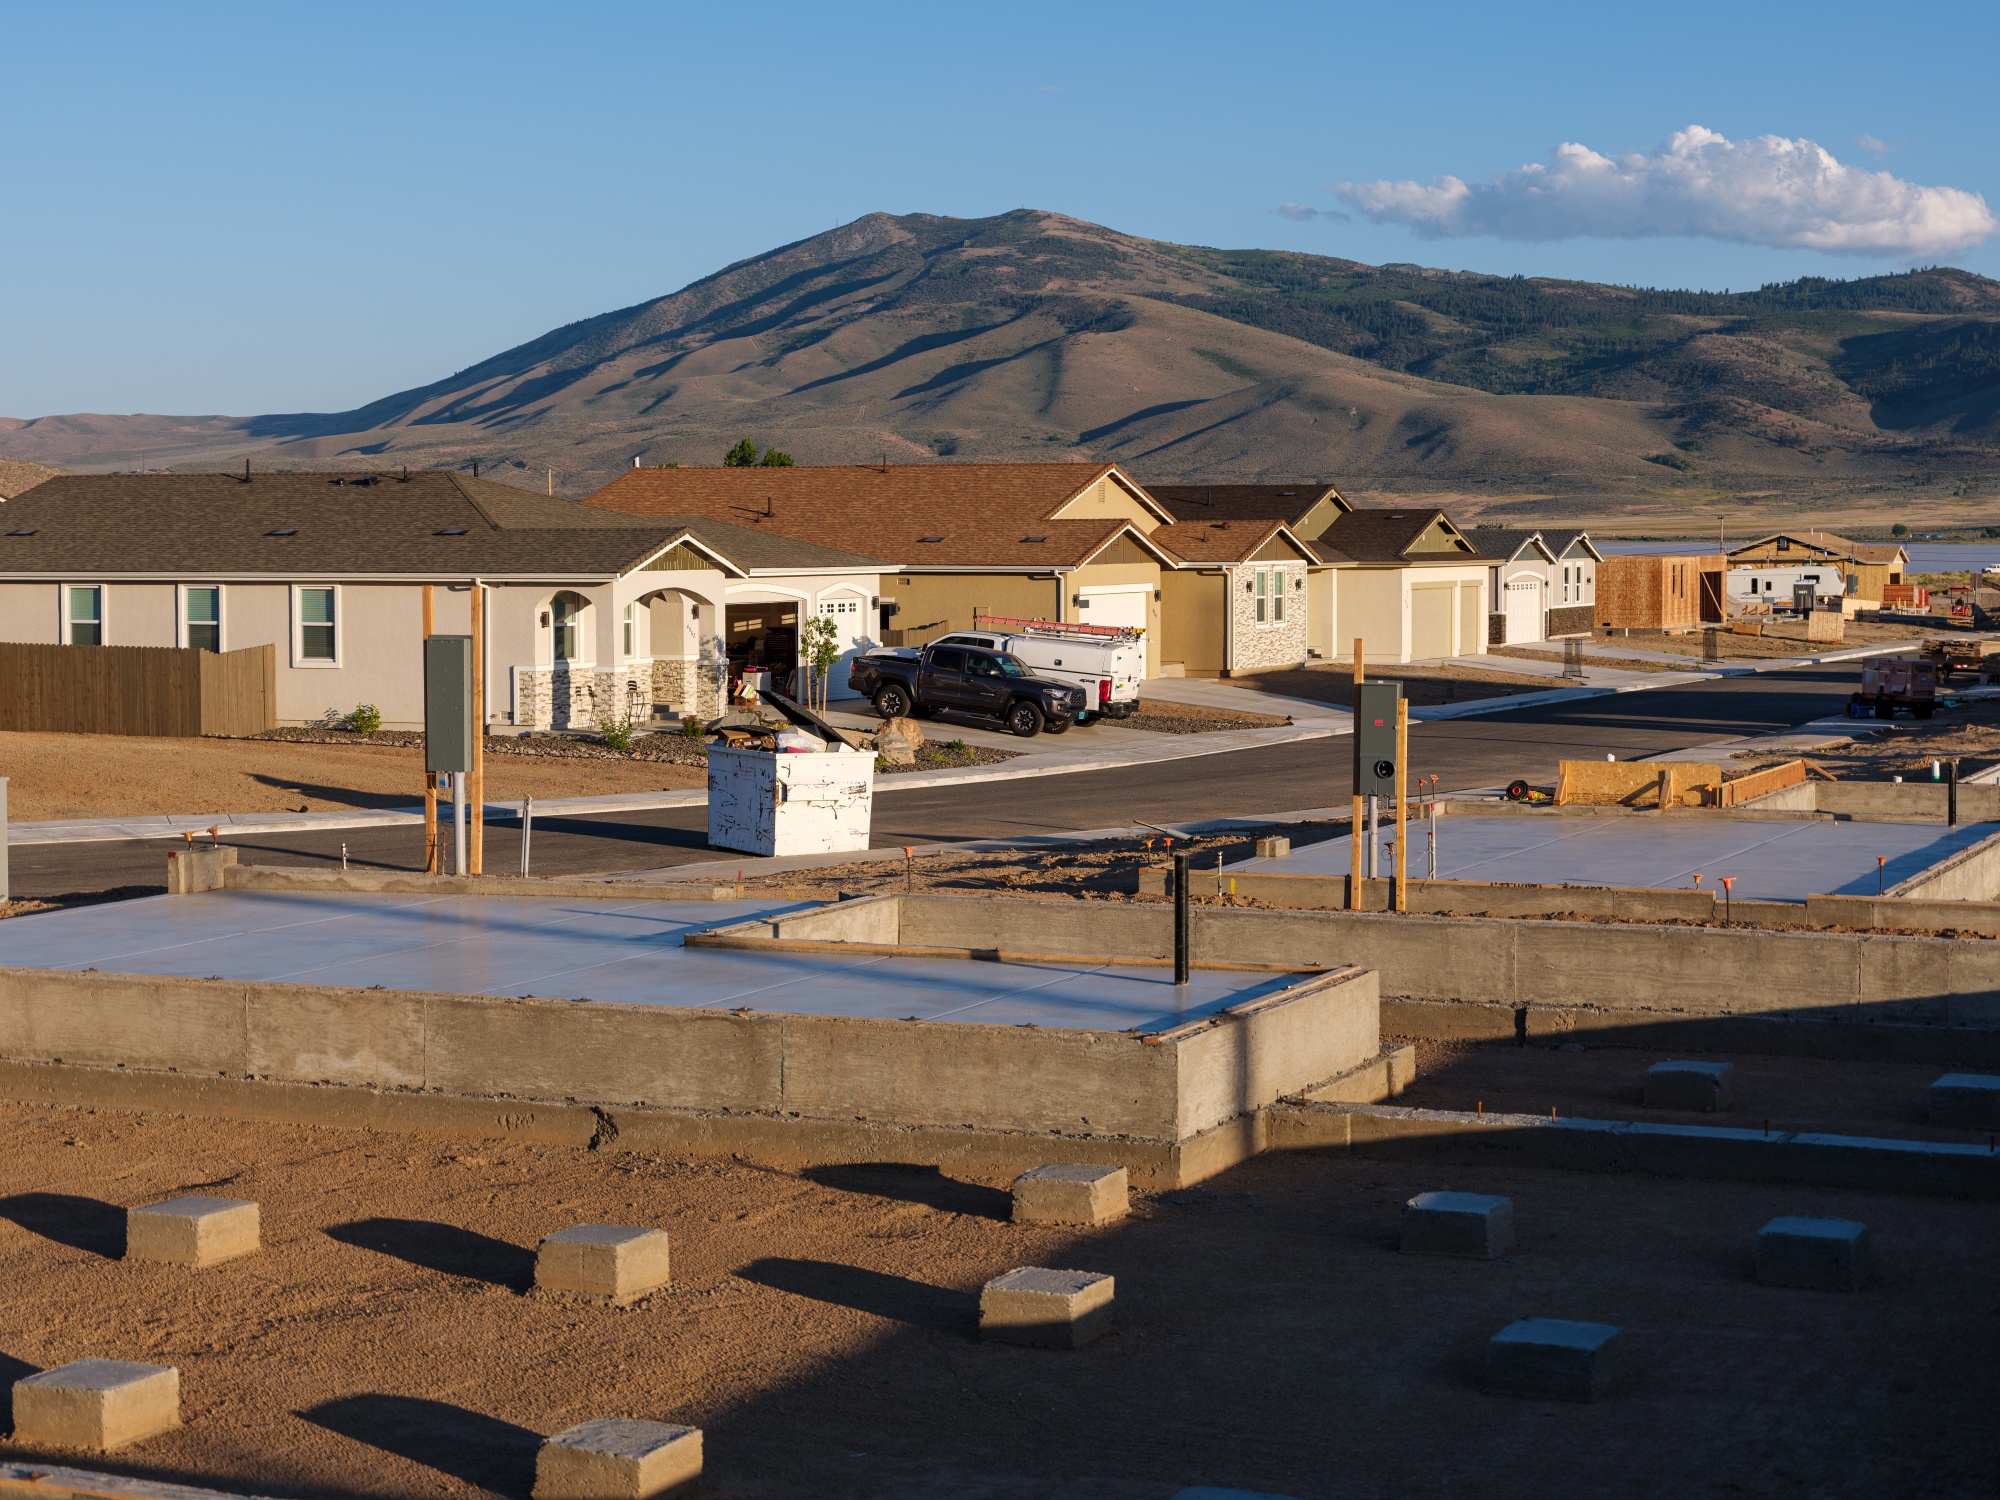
{"type": "Point", "coordinates": [635, 460]}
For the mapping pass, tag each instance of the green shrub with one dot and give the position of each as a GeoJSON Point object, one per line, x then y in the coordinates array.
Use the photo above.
{"type": "Point", "coordinates": [691, 728]}
{"type": "Point", "coordinates": [365, 719]}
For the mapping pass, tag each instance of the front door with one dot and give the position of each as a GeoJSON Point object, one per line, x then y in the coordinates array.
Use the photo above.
{"type": "Point", "coordinates": [942, 683]}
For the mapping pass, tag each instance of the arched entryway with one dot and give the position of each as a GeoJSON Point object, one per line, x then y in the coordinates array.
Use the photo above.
{"type": "Point", "coordinates": [685, 644]}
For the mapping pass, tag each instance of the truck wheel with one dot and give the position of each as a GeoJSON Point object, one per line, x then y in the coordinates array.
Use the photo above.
{"type": "Point", "coordinates": [893, 701]}
{"type": "Point", "coordinates": [1057, 726]}
{"type": "Point", "coordinates": [1025, 720]}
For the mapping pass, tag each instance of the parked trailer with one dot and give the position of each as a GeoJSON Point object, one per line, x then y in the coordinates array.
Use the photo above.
{"type": "Point", "coordinates": [1889, 683]}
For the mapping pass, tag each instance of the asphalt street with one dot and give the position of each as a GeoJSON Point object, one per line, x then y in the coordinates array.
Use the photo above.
{"type": "Point", "coordinates": [1484, 751]}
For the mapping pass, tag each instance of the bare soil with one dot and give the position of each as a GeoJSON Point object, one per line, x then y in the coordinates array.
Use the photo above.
{"type": "Point", "coordinates": [1165, 717]}
{"type": "Point", "coordinates": [821, 1327]}
{"type": "Point", "coordinates": [1334, 683]}
{"type": "Point", "coordinates": [107, 776]}
{"type": "Point", "coordinates": [1968, 732]}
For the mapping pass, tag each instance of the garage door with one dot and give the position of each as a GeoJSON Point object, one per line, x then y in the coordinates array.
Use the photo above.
{"type": "Point", "coordinates": [1524, 612]}
{"type": "Point", "coordinates": [1430, 621]}
{"type": "Point", "coordinates": [1126, 609]}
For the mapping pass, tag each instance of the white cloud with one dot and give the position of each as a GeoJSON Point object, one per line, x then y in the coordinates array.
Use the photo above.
{"type": "Point", "coordinates": [1766, 190]}
{"type": "Point", "coordinates": [1302, 212]}
{"type": "Point", "coordinates": [1874, 145]}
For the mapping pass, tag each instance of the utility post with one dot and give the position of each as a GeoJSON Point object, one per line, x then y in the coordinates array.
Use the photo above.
{"type": "Point", "coordinates": [1354, 902]}
{"type": "Point", "coordinates": [1402, 803]}
{"type": "Point", "coordinates": [448, 727]}
{"type": "Point", "coordinates": [433, 855]}
{"type": "Point", "coordinates": [477, 790]}
{"type": "Point", "coordinates": [1379, 772]}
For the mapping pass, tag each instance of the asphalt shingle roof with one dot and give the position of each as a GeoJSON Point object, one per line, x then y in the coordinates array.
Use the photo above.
{"type": "Point", "coordinates": [430, 524]}
{"type": "Point", "coordinates": [1216, 541]}
{"type": "Point", "coordinates": [1385, 536]}
{"type": "Point", "coordinates": [1240, 502]}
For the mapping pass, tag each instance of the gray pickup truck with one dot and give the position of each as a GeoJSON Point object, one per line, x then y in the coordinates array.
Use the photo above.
{"type": "Point", "coordinates": [960, 679]}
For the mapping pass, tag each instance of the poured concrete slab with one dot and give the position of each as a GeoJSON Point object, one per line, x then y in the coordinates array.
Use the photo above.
{"type": "Point", "coordinates": [1771, 861]}
{"type": "Point", "coordinates": [615, 951]}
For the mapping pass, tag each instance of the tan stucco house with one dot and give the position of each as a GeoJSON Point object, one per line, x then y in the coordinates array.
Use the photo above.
{"type": "Point", "coordinates": [588, 613]}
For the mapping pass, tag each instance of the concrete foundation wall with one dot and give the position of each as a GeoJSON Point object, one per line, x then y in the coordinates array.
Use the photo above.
{"type": "Point", "coordinates": [1443, 897]}
{"type": "Point", "coordinates": [1910, 802]}
{"type": "Point", "coordinates": [787, 1066]}
{"type": "Point", "coordinates": [1969, 875]}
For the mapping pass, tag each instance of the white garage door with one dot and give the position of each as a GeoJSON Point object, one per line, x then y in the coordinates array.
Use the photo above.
{"type": "Point", "coordinates": [1124, 608]}
{"type": "Point", "coordinates": [1524, 612]}
{"type": "Point", "coordinates": [1430, 621]}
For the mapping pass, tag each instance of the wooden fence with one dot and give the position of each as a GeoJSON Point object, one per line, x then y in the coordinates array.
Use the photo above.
{"type": "Point", "coordinates": [153, 690]}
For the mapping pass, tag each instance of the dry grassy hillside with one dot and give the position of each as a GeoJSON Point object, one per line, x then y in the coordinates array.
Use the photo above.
{"type": "Point", "coordinates": [1031, 335]}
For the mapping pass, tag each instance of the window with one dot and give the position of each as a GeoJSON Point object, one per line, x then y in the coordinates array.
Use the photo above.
{"type": "Point", "coordinates": [1262, 604]}
{"type": "Point", "coordinates": [565, 610]}
{"type": "Point", "coordinates": [631, 631]}
{"type": "Point", "coordinates": [201, 617]}
{"type": "Point", "coordinates": [947, 660]}
{"type": "Point", "coordinates": [317, 640]}
{"type": "Point", "coordinates": [84, 617]}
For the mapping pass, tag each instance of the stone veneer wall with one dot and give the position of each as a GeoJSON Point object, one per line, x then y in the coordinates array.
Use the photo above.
{"type": "Point", "coordinates": [577, 698]}
{"type": "Point", "coordinates": [690, 686]}
{"type": "Point", "coordinates": [1253, 646]}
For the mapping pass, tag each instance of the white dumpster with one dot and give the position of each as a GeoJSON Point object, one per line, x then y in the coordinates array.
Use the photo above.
{"type": "Point", "coordinates": [762, 803]}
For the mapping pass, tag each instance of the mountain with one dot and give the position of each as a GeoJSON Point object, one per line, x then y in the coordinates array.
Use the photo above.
{"type": "Point", "coordinates": [1032, 335]}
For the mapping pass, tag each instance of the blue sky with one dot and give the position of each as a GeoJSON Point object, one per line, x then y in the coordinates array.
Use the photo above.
{"type": "Point", "coordinates": [259, 208]}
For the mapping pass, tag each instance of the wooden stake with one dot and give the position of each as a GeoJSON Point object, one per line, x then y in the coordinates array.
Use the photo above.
{"type": "Point", "coordinates": [432, 854]}
{"type": "Point", "coordinates": [1402, 804]}
{"type": "Point", "coordinates": [476, 788]}
{"type": "Point", "coordinates": [1355, 901]}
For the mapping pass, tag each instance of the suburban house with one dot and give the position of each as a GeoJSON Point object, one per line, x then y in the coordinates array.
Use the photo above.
{"type": "Point", "coordinates": [1764, 571]}
{"type": "Point", "coordinates": [1235, 601]}
{"type": "Point", "coordinates": [1405, 581]}
{"type": "Point", "coordinates": [588, 614]}
{"type": "Point", "coordinates": [1055, 541]}
{"type": "Point", "coordinates": [1656, 591]}
{"type": "Point", "coordinates": [1543, 584]}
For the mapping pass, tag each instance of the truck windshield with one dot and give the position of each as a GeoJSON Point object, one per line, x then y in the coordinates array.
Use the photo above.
{"type": "Point", "coordinates": [1012, 666]}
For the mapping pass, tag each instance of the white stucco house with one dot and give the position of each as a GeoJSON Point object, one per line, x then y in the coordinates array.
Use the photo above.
{"type": "Point", "coordinates": [587, 613]}
{"type": "Point", "coordinates": [1543, 582]}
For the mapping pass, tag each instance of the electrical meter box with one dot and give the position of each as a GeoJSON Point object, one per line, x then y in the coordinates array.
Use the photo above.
{"type": "Point", "coordinates": [448, 727]}
{"type": "Point", "coordinates": [1375, 738]}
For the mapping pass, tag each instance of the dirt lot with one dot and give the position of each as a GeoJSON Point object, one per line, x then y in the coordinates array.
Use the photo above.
{"type": "Point", "coordinates": [1165, 717]}
{"type": "Point", "coordinates": [821, 1327]}
{"type": "Point", "coordinates": [107, 776]}
{"type": "Point", "coordinates": [1906, 748]}
{"type": "Point", "coordinates": [1779, 640]}
{"type": "Point", "coordinates": [1421, 685]}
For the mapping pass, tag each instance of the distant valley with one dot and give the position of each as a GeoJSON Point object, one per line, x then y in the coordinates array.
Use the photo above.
{"type": "Point", "coordinates": [1032, 335]}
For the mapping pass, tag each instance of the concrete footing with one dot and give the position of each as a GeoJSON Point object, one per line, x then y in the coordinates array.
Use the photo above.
{"type": "Point", "coordinates": [1071, 1193]}
{"type": "Point", "coordinates": [1468, 1224]}
{"type": "Point", "coordinates": [612, 1263]}
{"type": "Point", "coordinates": [1047, 1309]}
{"type": "Point", "coordinates": [1825, 1255]}
{"type": "Point", "coordinates": [1966, 1101]}
{"type": "Point", "coordinates": [1555, 1358]}
{"type": "Point", "coordinates": [618, 1458]}
{"type": "Point", "coordinates": [97, 1404]}
{"type": "Point", "coordinates": [192, 1231]}
{"type": "Point", "coordinates": [1690, 1085]}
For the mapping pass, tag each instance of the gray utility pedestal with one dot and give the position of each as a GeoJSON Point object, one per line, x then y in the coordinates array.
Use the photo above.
{"type": "Point", "coordinates": [96, 1403]}
{"type": "Point", "coordinates": [1469, 1224]}
{"type": "Point", "coordinates": [613, 1263]}
{"type": "Point", "coordinates": [1070, 1193]}
{"type": "Point", "coordinates": [1049, 1309]}
{"type": "Point", "coordinates": [1822, 1255]}
{"type": "Point", "coordinates": [1966, 1101]}
{"type": "Point", "coordinates": [618, 1458]}
{"type": "Point", "coordinates": [1689, 1085]}
{"type": "Point", "coordinates": [192, 1231]}
{"type": "Point", "coordinates": [1555, 1358]}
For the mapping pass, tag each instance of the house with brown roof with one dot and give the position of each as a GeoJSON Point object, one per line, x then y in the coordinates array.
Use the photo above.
{"type": "Point", "coordinates": [1235, 601]}
{"type": "Point", "coordinates": [1405, 581]}
{"type": "Point", "coordinates": [1069, 542]}
{"type": "Point", "coordinates": [588, 614]}
{"type": "Point", "coordinates": [1765, 570]}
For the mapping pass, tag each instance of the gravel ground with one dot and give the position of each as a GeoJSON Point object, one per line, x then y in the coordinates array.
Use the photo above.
{"type": "Point", "coordinates": [821, 1327]}
{"type": "Point", "coordinates": [1164, 717]}
{"type": "Point", "coordinates": [103, 775]}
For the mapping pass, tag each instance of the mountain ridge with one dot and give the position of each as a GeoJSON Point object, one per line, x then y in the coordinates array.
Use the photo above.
{"type": "Point", "coordinates": [1033, 335]}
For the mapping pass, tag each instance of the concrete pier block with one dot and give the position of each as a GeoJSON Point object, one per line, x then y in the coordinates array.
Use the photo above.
{"type": "Point", "coordinates": [1458, 1224]}
{"type": "Point", "coordinates": [192, 1230]}
{"type": "Point", "coordinates": [97, 1404]}
{"type": "Point", "coordinates": [1555, 1358]}
{"type": "Point", "coordinates": [1966, 1101]}
{"type": "Point", "coordinates": [1818, 1254]}
{"type": "Point", "coordinates": [618, 1458]}
{"type": "Point", "coordinates": [1689, 1085]}
{"type": "Point", "coordinates": [1048, 1309]}
{"type": "Point", "coordinates": [1071, 1193]}
{"type": "Point", "coordinates": [608, 1262]}
{"type": "Point", "coordinates": [1279, 847]}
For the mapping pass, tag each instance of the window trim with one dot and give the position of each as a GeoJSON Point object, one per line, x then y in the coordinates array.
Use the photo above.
{"type": "Point", "coordinates": [182, 622]}
{"type": "Point", "coordinates": [103, 612]}
{"type": "Point", "coordinates": [318, 663]}
{"type": "Point", "coordinates": [585, 638]}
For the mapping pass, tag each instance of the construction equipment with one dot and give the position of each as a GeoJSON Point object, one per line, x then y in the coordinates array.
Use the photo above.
{"type": "Point", "coordinates": [1890, 683]}
{"type": "Point", "coordinates": [1962, 656]}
